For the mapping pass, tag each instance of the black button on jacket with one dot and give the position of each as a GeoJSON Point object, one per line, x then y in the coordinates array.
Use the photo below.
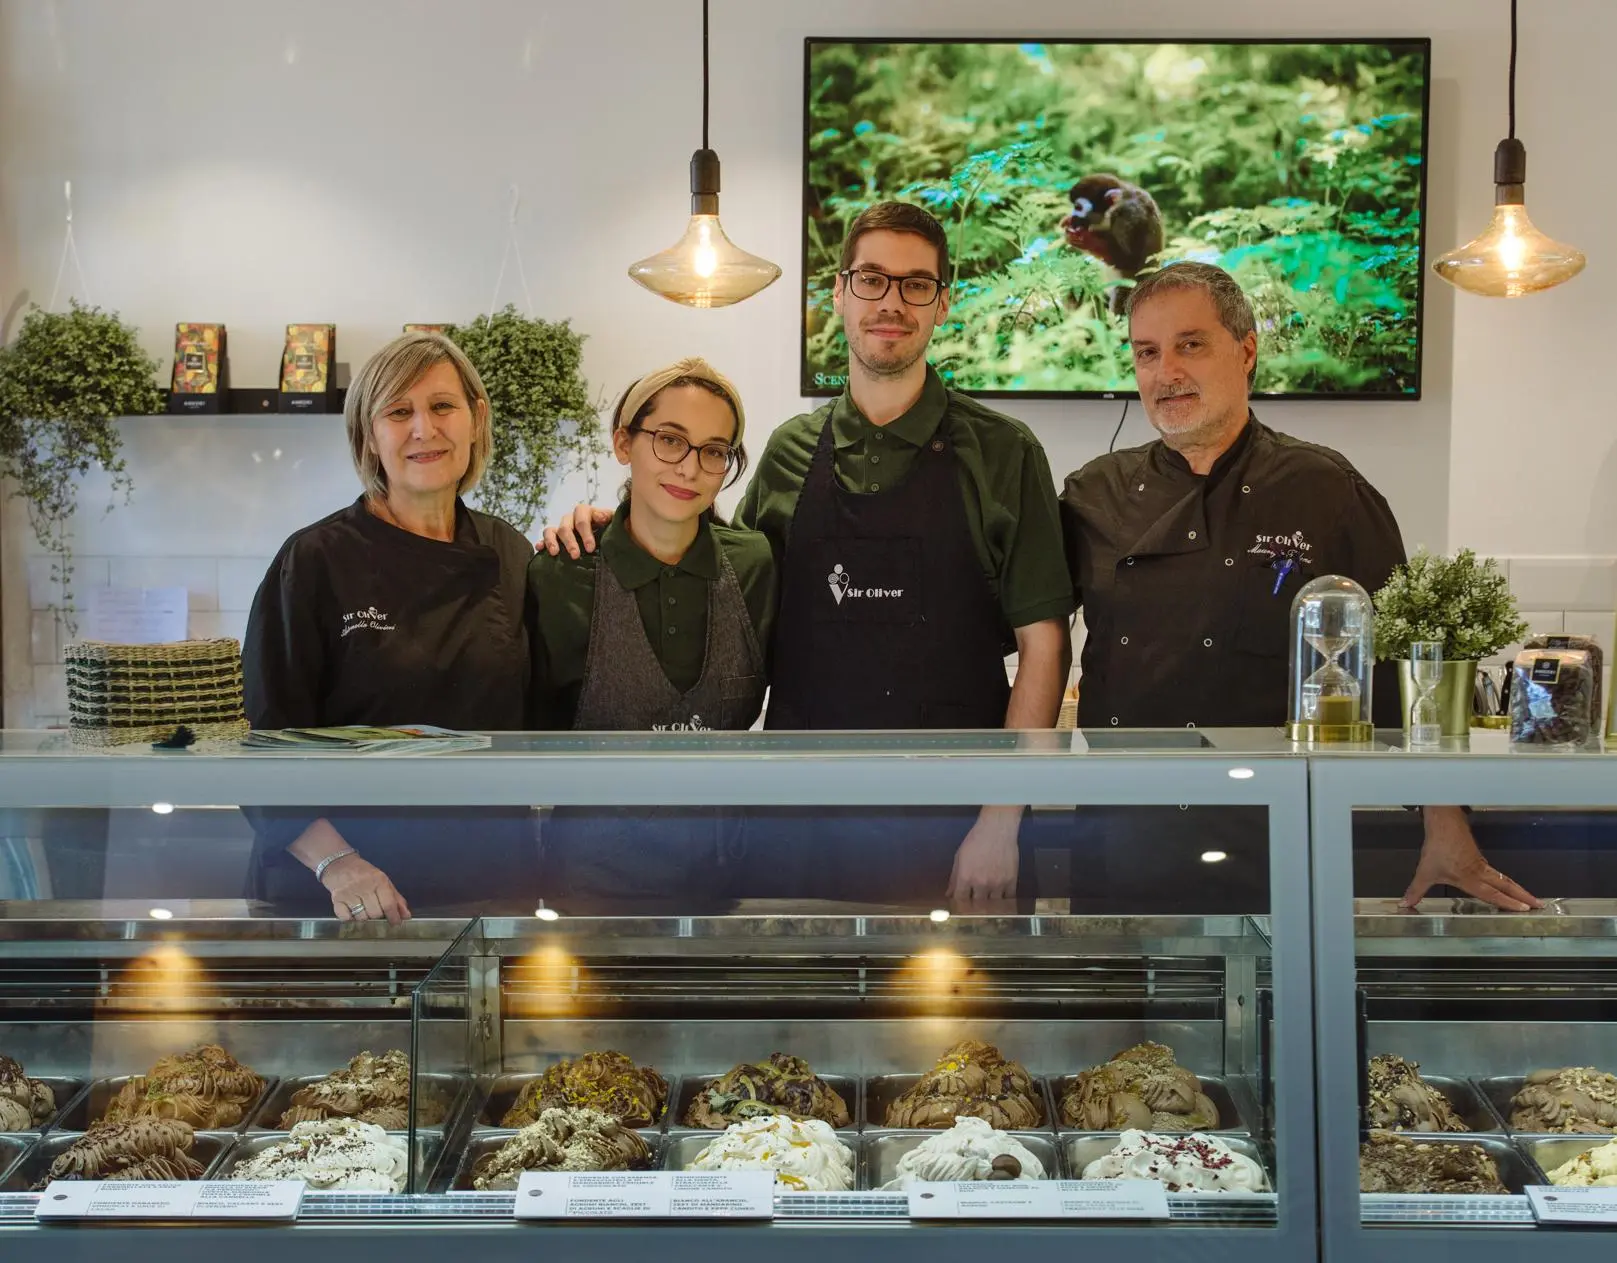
{"type": "Point", "coordinates": [1186, 581]}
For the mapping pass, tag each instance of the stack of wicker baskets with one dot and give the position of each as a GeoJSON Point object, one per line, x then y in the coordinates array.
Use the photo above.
{"type": "Point", "coordinates": [119, 694]}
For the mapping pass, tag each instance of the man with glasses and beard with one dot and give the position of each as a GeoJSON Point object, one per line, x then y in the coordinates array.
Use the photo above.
{"type": "Point", "coordinates": [919, 543]}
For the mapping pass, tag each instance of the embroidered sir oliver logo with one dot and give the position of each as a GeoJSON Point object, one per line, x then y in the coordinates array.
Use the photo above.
{"type": "Point", "coordinates": [842, 588]}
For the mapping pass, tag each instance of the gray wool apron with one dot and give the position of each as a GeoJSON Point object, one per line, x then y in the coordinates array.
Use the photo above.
{"type": "Point", "coordinates": [640, 853]}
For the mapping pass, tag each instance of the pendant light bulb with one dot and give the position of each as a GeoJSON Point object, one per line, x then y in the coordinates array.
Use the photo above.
{"type": "Point", "coordinates": [704, 268]}
{"type": "Point", "coordinates": [1511, 257]}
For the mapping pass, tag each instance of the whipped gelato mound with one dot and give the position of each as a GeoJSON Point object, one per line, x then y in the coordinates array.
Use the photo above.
{"type": "Point", "coordinates": [1141, 1088]}
{"type": "Point", "coordinates": [205, 1087]}
{"type": "Point", "coordinates": [338, 1155]}
{"type": "Point", "coordinates": [782, 1086]}
{"type": "Point", "coordinates": [971, 1080]}
{"type": "Point", "coordinates": [804, 1154]}
{"type": "Point", "coordinates": [606, 1081]}
{"type": "Point", "coordinates": [1593, 1168]}
{"type": "Point", "coordinates": [373, 1089]}
{"type": "Point", "coordinates": [1195, 1163]}
{"type": "Point", "coordinates": [563, 1140]}
{"type": "Point", "coordinates": [970, 1150]}
{"type": "Point", "coordinates": [142, 1149]}
{"type": "Point", "coordinates": [1394, 1164]}
{"type": "Point", "coordinates": [1400, 1100]}
{"type": "Point", "coordinates": [24, 1102]}
{"type": "Point", "coordinates": [1576, 1099]}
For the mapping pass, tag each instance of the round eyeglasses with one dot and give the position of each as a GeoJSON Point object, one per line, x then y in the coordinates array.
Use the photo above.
{"type": "Point", "coordinates": [671, 447]}
{"type": "Point", "coordinates": [870, 285]}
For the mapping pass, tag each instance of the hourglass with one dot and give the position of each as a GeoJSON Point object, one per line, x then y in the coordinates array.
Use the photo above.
{"type": "Point", "coordinates": [1332, 652]}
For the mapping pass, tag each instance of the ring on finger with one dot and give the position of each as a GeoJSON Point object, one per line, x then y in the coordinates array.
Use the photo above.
{"type": "Point", "coordinates": [358, 909]}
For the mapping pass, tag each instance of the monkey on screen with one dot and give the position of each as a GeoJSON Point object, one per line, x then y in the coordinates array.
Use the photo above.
{"type": "Point", "coordinates": [1117, 222]}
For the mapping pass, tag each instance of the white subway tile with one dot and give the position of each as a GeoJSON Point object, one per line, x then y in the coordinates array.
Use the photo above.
{"type": "Point", "coordinates": [232, 623]}
{"type": "Point", "coordinates": [50, 690]}
{"type": "Point", "coordinates": [1565, 583]}
{"type": "Point", "coordinates": [43, 590]}
{"type": "Point", "coordinates": [203, 624]}
{"type": "Point", "coordinates": [199, 576]}
{"type": "Point", "coordinates": [1598, 624]}
{"type": "Point", "coordinates": [238, 581]}
{"type": "Point", "coordinates": [45, 638]}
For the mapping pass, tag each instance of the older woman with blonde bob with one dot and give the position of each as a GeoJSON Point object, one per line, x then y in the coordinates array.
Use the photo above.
{"type": "Point", "coordinates": [404, 607]}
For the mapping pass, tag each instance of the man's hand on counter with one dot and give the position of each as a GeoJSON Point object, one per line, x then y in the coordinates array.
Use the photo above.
{"type": "Point", "coordinates": [985, 865]}
{"type": "Point", "coordinates": [1450, 857]}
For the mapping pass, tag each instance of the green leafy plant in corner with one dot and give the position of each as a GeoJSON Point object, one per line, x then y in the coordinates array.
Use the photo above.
{"type": "Point", "coordinates": [545, 423]}
{"type": "Point", "coordinates": [63, 383]}
{"type": "Point", "coordinates": [1459, 600]}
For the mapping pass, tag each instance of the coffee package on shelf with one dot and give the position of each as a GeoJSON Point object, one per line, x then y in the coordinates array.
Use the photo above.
{"type": "Point", "coordinates": [1552, 702]}
{"type": "Point", "coordinates": [1583, 644]}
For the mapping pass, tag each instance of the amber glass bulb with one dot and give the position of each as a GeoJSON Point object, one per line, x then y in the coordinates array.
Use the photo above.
{"type": "Point", "coordinates": [1510, 258]}
{"type": "Point", "coordinates": [704, 268]}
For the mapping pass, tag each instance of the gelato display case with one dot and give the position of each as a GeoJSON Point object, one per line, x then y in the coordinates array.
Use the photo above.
{"type": "Point", "coordinates": [1466, 1054]}
{"type": "Point", "coordinates": [857, 1048]}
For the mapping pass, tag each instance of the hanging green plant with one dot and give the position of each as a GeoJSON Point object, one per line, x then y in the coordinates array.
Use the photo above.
{"type": "Point", "coordinates": [545, 424]}
{"type": "Point", "coordinates": [63, 383]}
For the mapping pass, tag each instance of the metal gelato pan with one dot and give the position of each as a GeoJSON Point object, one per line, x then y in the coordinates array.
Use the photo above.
{"type": "Point", "coordinates": [883, 1151]}
{"type": "Point", "coordinates": [694, 1084]}
{"type": "Point", "coordinates": [1499, 1093]}
{"type": "Point", "coordinates": [1549, 1152]}
{"type": "Point", "coordinates": [207, 1149]}
{"type": "Point", "coordinates": [427, 1147]}
{"type": "Point", "coordinates": [1082, 1148]}
{"type": "Point", "coordinates": [444, 1091]}
{"type": "Point", "coordinates": [12, 1146]}
{"type": "Point", "coordinates": [486, 1142]}
{"type": "Point", "coordinates": [1231, 1117]}
{"type": "Point", "coordinates": [93, 1104]}
{"type": "Point", "coordinates": [1515, 1171]}
{"type": "Point", "coordinates": [1471, 1105]}
{"type": "Point", "coordinates": [883, 1090]}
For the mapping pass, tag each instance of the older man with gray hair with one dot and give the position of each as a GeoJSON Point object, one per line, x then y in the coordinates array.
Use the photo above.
{"type": "Point", "coordinates": [1186, 554]}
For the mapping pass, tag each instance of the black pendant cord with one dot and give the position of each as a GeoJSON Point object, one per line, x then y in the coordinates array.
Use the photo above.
{"type": "Point", "coordinates": [705, 74]}
{"type": "Point", "coordinates": [1512, 65]}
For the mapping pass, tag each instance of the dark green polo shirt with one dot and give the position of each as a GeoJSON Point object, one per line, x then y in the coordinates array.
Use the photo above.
{"type": "Point", "coordinates": [672, 601]}
{"type": "Point", "coordinates": [1005, 482]}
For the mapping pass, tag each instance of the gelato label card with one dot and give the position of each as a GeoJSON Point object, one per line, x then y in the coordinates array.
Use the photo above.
{"type": "Point", "coordinates": [1573, 1205]}
{"type": "Point", "coordinates": [646, 1195]}
{"type": "Point", "coordinates": [1040, 1199]}
{"type": "Point", "coordinates": [179, 1199]}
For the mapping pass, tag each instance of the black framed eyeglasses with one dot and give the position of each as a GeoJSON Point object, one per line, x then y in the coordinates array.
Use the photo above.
{"type": "Point", "coordinates": [870, 285]}
{"type": "Point", "coordinates": [671, 447]}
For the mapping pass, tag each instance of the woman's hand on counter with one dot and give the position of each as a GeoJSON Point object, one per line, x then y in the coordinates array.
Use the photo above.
{"type": "Point", "coordinates": [360, 891]}
{"type": "Point", "coordinates": [1450, 857]}
{"type": "Point", "coordinates": [574, 532]}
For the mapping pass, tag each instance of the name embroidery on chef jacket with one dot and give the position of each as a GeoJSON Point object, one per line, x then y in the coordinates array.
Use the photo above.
{"type": "Point", "coordinates": [1295, 546]}
{"type": "Point", "coordinates": [695, 725]}
{"type": "Point", "coordinates": [368, 619]}
{"type": "Point", "coordinates": [842, 589]}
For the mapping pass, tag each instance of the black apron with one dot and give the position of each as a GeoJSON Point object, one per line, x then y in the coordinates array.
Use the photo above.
{"type": "Point", "coordinates": [886, 621]}
{"type": "Point", "coordinates": [427, 635]}
{"type": "Point", "coordinates": [596, 858]}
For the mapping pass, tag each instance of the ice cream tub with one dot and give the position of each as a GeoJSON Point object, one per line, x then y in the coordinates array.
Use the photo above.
{"type": "Point", "coordinates": [428, 1146]}
{"type": "Point", "coordinates": [487, 1142]}
{"type": "Point", "coordinates": [1472, 1108]}
{"type": "Point", "coordinates": [208, 1148]}
{"type": "Point", "coordinates": [1546, 1153]}
{"type": "Point", "coordinates": [500, 1094]}
{"type": "Point", "coordinates": [691, 1085]}
{"type": "Point", "coordinates": [66, 1091]}
{"type": "Point", "coordinates": [1079, 1149]}
{"type": "Point", "coordinates": [93, 1103]}
{"type": "Point", "coordinates": [681, 1149]}
{"type": "Point", "coordinates": [1516, 1172]}
{"type": "Point", "coordinates": [883, 1151]}
{"type": "Point", "coordinates": [445, 1094]}
{"type": "Point", "coordinates": [12, 1146]}
{"type": "Point", "coordinates": [880, 1091]}
{"type": "Point", "coordinates": [1231, 1117]}
{"type": "Point", "coordinates": [1499, 1092]}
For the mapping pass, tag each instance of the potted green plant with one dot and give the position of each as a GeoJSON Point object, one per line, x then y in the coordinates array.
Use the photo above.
{"type": "Point", "coordinates": [1461, 601]}
{"type": "Point", "coordinates": [63, 383]}
{"type": "Point", "coordinates": [545, 424]}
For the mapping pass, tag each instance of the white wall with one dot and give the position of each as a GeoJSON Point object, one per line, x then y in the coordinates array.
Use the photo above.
{"type": "Point", "coordinates": [351, 161]}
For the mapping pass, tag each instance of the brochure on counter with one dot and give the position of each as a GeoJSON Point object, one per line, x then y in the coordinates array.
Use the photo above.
{"type": "Point", "coordinates": [358, 739]}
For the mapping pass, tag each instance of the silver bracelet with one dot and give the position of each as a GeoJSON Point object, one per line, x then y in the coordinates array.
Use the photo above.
{"type": "Point", "coordinates": [320, 868]}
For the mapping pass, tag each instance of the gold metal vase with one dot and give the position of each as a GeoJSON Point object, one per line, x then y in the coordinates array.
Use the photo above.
{"type": "Point", "coordinates": [1454, 696]}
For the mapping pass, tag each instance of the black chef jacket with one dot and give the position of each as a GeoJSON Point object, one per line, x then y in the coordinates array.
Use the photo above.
{"type": "Point", "coordinates": [1186, 581]}
{"type": "Point", "coordinates": [1186, 584]}
{"type": "Point", "coordinates": [361, 622]}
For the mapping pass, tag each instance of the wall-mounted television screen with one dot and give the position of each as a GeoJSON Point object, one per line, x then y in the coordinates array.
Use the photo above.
{"type": "Point", "coordinates": [1062, 170]}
